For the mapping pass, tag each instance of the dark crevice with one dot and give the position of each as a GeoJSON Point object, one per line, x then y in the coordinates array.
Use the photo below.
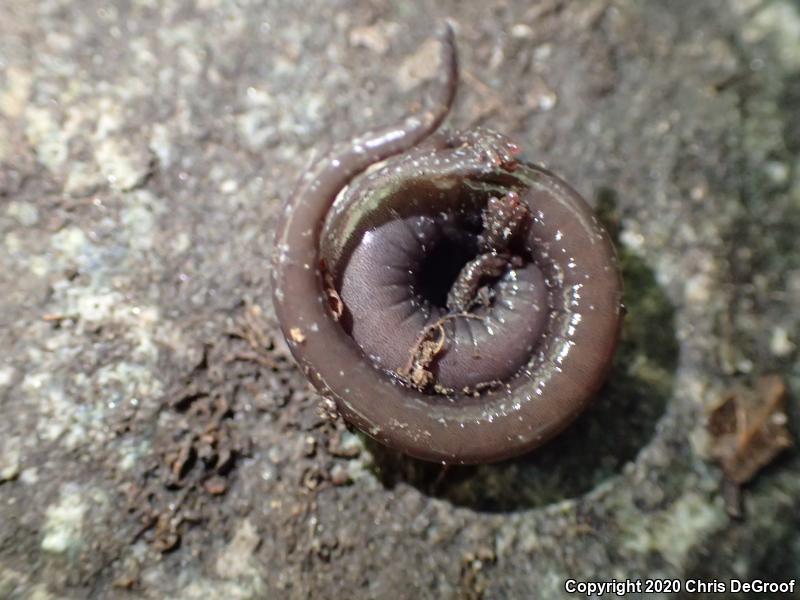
{"type": "Point", "coordinates": [441, 267]}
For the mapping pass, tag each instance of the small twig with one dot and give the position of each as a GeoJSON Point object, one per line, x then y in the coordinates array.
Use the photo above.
{"type": "Point", "coordinates": [426, 349]}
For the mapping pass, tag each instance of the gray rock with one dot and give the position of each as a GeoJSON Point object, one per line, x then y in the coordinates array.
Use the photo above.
{"type": "Point", "coordinates": [155, 433]}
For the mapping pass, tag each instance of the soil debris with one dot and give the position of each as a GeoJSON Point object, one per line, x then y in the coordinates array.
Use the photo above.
{"type": "Point", "coordinates": [748, 429]}
{"type": "Point", "coordinates": [425, 350]}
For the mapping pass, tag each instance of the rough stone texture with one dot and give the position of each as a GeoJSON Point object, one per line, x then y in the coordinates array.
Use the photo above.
{"type": "Point", "coordinates": [156, 440]}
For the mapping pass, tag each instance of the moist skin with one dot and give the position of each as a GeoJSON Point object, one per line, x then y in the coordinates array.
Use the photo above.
{"type": "Point", "coordinates": [504, 388]}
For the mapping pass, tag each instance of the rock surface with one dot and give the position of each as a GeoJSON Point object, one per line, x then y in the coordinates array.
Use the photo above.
{"type": "Point", "coordinates": [157, 440]}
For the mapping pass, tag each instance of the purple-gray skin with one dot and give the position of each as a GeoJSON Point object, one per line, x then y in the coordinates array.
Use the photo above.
{"type": "Point", "coordinates": [389, 221]}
